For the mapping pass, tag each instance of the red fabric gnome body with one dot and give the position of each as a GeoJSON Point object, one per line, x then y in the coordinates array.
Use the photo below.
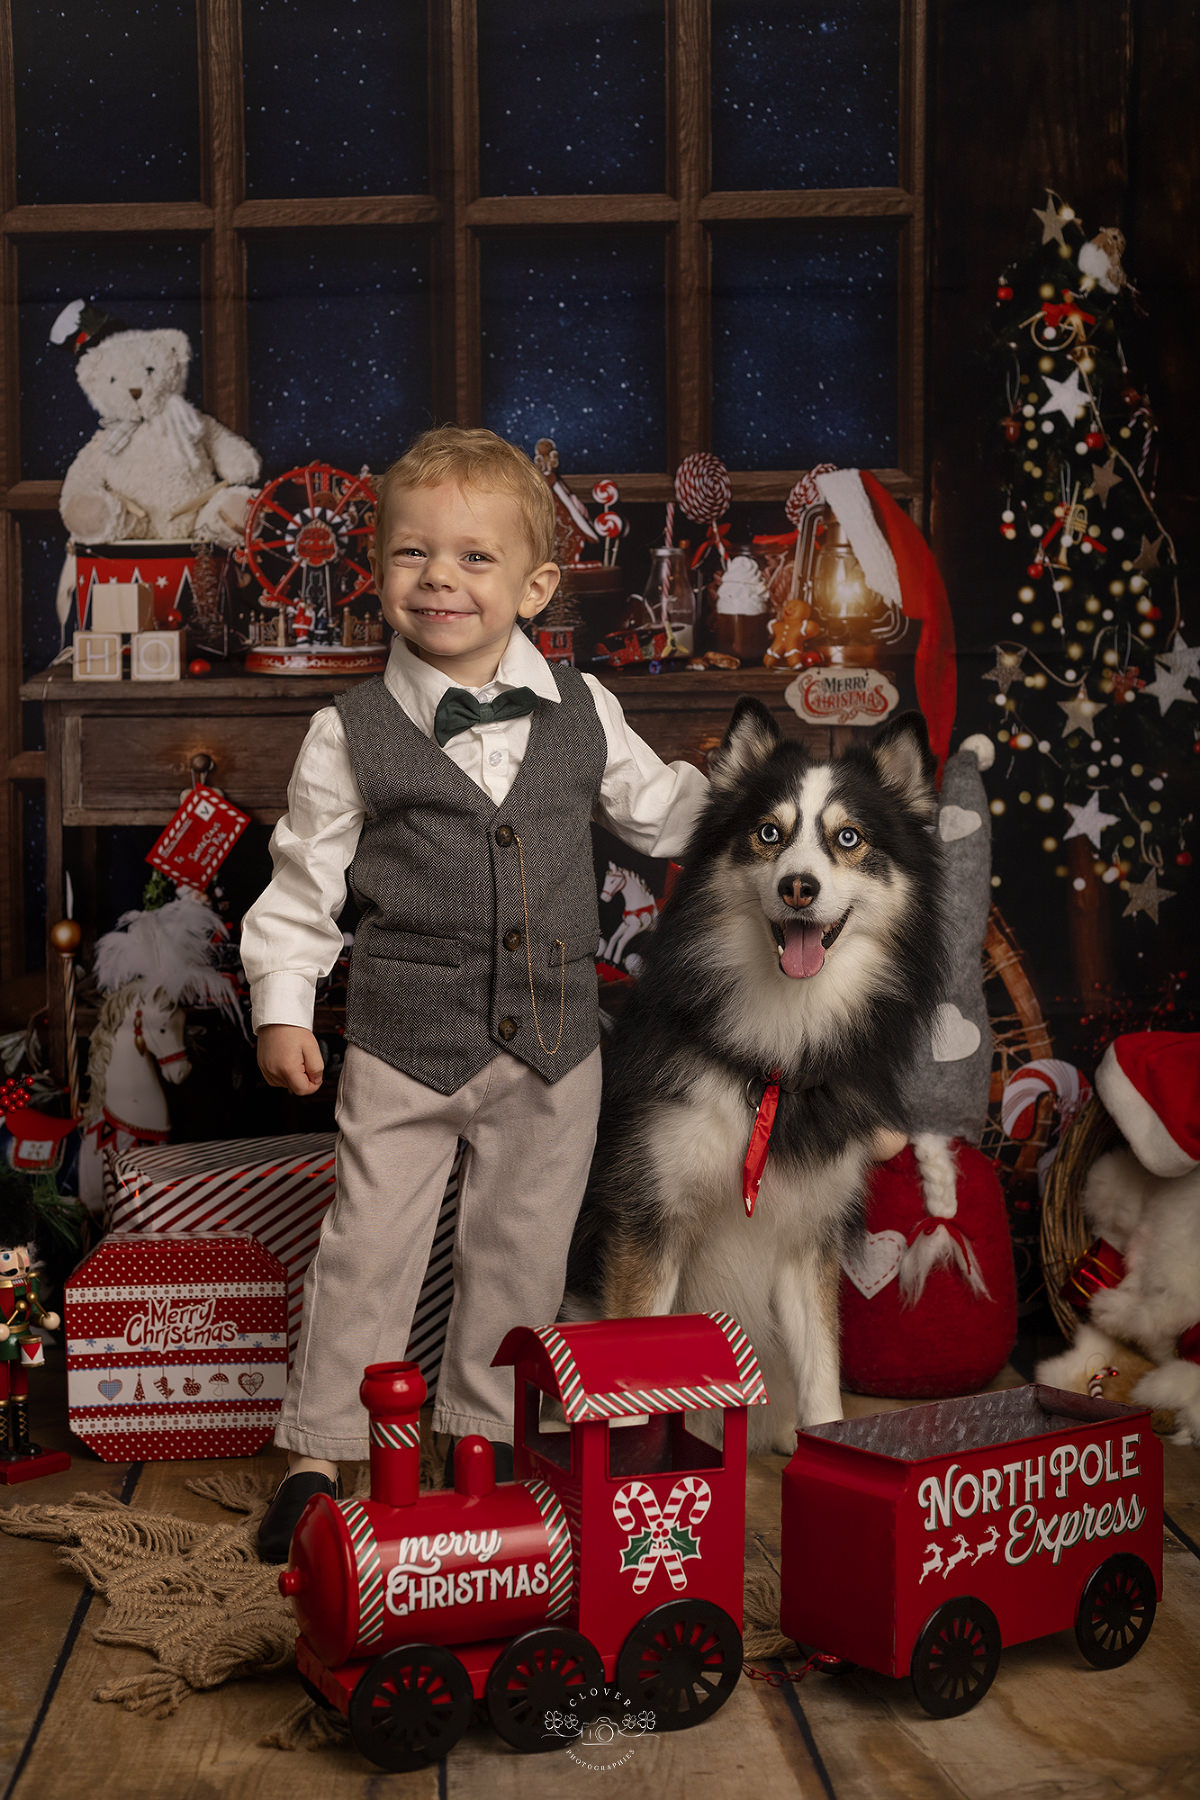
{"type": "Point", "coordinates": [908, 1328]}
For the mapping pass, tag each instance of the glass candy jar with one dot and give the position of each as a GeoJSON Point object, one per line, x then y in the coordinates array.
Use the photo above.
{"type": "Point", "coordinates": [669, 597]}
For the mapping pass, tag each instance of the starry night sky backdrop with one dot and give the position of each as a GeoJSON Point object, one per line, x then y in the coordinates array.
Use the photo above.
{"type": "Point", "coordinates": [572, 100]}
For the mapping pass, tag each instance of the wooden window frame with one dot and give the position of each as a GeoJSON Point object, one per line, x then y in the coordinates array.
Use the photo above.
{"type": "Point", "coordinates": [456, 215]}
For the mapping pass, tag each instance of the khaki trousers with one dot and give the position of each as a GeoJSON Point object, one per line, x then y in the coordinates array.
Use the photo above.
{"type": "Point", "coordinates": [529, 1148]}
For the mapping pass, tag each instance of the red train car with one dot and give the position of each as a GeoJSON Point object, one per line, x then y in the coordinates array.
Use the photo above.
{"type": "Point", "coordinates": [919, 1542]}
{"type": "Point", "coordinates": [615, 1557]}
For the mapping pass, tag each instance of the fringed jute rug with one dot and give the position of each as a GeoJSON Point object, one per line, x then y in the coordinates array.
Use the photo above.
{"type": "Point", "coordinates": [197, 1600]}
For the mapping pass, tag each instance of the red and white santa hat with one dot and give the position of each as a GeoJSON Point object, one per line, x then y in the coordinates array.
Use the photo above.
{"type": "Point", "coordinates": [897, 563]}
{"type": "Point", "coordinates": [1149, 1082]}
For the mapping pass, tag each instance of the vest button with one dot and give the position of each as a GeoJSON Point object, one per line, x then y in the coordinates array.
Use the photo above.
{"type": "Point", "coordinates": [508, 1028]}
{"type": "Point", "coordinates": [504, 835]}
{"type": "Point", "coordinates": [512, 940]}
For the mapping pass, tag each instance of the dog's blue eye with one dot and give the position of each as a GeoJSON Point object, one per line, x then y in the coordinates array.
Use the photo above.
{"type": "Point", "coordinates": [768, 834]}
{"type": "Point", "coordinates": [848, 838]}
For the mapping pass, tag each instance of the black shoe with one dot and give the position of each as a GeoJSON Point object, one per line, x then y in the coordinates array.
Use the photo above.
{"type": "Point", "coordinates": [502, 1454]}
{"type": "Point", "coordinates": [283, 1515]}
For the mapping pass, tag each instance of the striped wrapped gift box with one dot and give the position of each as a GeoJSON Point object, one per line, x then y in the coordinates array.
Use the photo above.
{"type": "Point", "coordinates": [276, 1188]}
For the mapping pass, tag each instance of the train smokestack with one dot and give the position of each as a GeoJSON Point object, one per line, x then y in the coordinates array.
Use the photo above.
{"type": "Point", "coordinates": [393, 1394]}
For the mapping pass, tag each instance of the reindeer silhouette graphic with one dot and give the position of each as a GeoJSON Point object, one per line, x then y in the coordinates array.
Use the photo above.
{"type": "Point", "coordinates": [986, 1545]}
{"type": "Point", "coordinates": [934, 1565]}
{"type": "Point", "coordinates": [962, 1554]}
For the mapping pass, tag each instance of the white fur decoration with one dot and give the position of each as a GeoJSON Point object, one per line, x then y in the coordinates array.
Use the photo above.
{"type": "Point", "coordinates": [844, 492]}
{"type": "Point", "coordinates": [169, 948]}
{"type": "Point", "coordinates": [930, 1250]}
{"type": "Point", "coordinates": [981, 748]}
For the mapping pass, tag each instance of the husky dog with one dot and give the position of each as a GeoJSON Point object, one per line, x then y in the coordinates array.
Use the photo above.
{"type": "Point", "coordinates": [802, 943]}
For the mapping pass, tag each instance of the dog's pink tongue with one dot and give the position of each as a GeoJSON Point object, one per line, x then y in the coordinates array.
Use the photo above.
{"type": "Point", "coordinates": [803, 951]}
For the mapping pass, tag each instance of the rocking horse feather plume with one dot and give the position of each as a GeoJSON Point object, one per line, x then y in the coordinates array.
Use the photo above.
{"type": "Point", "coordinates": [150, 969]}
{"type": "Point", "coordinates": [169, 948]}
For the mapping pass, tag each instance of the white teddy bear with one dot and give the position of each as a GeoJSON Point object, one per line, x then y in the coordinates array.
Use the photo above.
{"type": "Point", "coordinates": [1155, 1226]}
{"type": "Point", "coordinates": [156, 468]}
{"type": "Point", "coordinates": [1143, 1204]}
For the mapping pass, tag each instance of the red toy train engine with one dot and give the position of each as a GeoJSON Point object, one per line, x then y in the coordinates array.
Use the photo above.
{"type": "Point", "coordinates": [614, 1557]}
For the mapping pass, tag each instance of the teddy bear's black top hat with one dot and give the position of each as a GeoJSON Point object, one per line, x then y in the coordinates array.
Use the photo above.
{"type": "Point", "coordinates": [80, 325]}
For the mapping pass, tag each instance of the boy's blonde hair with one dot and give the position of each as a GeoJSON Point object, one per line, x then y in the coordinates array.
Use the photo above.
{"type": "Point", "coordinates": [474, 458]}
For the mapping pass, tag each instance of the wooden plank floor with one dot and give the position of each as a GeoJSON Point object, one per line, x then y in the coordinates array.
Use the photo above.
{"type": "Point", "coordinates": [1050, 1727]}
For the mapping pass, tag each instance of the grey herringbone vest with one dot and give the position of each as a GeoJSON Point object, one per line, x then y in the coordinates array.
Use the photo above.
{"type": "Point", "coordinates": [441, 971]}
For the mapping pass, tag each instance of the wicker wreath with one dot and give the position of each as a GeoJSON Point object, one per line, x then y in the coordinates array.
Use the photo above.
{"type": "Point", "coordinates": [1065, 1236]}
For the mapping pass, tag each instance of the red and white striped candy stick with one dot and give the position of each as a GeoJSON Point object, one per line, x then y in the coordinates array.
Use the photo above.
{"type": "Point", "coordinates": [703, 489]}
{"type": "Point", "coordinates": [800, 503]}
{"type": "Point", "coordinates": [669, 533]}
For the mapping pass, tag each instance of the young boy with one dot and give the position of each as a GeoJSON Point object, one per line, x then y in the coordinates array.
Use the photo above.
{"type": "Point", "coordinates": [457, 789]}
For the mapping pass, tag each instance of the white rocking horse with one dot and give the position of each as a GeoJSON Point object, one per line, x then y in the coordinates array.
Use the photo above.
{"type": "Point", "coordinates": [641, 910]}
{"type": "Point", "coordinates": [151, 968]}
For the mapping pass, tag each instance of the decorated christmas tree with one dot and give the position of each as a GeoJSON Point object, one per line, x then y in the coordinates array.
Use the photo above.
{"type": "Point", "coordinates": [1094, 706]}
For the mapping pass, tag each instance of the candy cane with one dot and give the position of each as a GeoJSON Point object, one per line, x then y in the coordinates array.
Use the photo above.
{"type": "Point", "coordinates": [804, 498]}
{"type": "Point", "coordinates": [1025, 1087]}
{"type": "Point", "coordinates": [659, 1522]}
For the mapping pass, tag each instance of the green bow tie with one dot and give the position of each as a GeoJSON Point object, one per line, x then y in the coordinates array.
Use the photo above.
{"type": "Point", "coordinates": [458, 710]}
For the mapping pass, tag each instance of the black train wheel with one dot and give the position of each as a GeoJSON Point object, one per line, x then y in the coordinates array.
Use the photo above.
{"type": "Point", "coordinates": [954, 1661]}
{"type": "Point", "coordinates": [541, 1672]}
{"type": "Point", "coordinates": [1116, 1611]}
{"type": "Point", "coordinates": [410, 1707]}
{"type": "Point", "coordinates": [681, 1662]}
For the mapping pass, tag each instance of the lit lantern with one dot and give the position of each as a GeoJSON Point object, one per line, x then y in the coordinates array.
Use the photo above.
{"type": "Point", "coordinates": [851, 615]}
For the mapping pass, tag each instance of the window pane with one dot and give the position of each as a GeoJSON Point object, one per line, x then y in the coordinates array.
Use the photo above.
{"type": "Point", "coordinates": [805, 345]}
{"type": "Point", "coordinates": [805, 93]}
{"type": "Point", "coordinates": [339, 346]}
{"type": "Point", "coordinates": [336, 98]}
{"type": "Point", "coordinates": [574, 345]}
{"type": "Point", "coordinates": [147, 282]}
{"type": "Point", "coordinates": [571, 98]}
{"type": "Point", "coordinates": [43, 539]}
{"type": "Point", "coordinates": [107, 101]}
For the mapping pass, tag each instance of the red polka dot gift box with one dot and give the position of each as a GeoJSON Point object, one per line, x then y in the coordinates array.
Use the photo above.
{"type": "Point", "coordinates": [176, 1346]}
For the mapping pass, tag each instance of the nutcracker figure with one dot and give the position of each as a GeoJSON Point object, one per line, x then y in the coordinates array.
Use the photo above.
{"type": "Point", "coordinates": [20, 1347]}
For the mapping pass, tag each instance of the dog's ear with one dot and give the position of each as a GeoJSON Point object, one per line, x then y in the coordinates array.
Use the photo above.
{"type": "Point", "coordinates": [906, 763]}
{"type": "Point", "coordinates": [751, 737]}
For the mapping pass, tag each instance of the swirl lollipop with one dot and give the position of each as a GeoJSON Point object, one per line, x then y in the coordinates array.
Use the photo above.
{"type": "Point", "coordinates": [610, 525]}
{"type": "Point", "coordinates": [703, 490]}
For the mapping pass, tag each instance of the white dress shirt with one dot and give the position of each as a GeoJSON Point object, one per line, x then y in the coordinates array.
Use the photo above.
{"type": "Point", "coordinates": [291, 937]}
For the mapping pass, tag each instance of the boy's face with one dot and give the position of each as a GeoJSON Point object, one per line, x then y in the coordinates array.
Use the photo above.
{"type": "Point", "coordinates": [453, 572]}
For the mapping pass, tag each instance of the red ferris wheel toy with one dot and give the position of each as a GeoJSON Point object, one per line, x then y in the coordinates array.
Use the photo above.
{"type": "Point", "coordinates": [307, 538]}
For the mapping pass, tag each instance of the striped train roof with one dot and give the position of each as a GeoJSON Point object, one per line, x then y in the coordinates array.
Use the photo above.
{"type": "Point", "coordinates": [612, 1368]}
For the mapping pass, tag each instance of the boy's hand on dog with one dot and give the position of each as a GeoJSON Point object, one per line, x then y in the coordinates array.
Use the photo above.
{"type": "Point", "coordinates": [289, 1057]}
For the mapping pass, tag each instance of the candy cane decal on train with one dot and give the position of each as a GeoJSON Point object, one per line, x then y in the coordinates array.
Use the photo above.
{"type": "Point", "coordinates": [921, 1542]}
{"type": "Point", "coordinates": [615, 1559]}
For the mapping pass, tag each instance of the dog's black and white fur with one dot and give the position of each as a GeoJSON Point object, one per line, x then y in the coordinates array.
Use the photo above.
{"type": "Point", "coordinates": [803, 935]}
